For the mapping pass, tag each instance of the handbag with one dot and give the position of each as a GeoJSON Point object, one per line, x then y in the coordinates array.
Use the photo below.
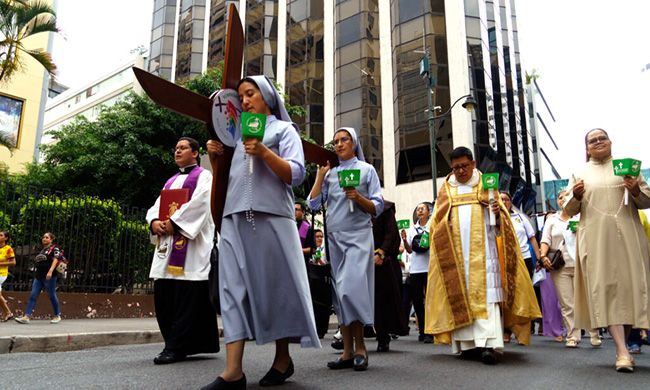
{"type": "Point", "coordinates": [556, 258]}
{"type": "Point", "coordinates": [421, 241]}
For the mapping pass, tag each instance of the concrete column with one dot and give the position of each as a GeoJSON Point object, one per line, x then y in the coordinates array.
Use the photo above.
{"type": "Point", "coordinates": [463, 133]}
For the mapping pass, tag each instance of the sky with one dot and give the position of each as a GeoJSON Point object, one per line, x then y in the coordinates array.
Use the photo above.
{"type": "Point", "coordinates": [97, 36]}
{"type": "Point", "coordinates": [589, 56]}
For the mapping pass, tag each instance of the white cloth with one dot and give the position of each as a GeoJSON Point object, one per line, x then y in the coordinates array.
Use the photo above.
{"type": "Point", "coordinates": [524, 233]}
{"type": "Point", "coordinates": [195, 222]}
{"type": "Point", "coordinates": [419, 261]}
{"type": "Point", "coordinates": [481, 333]}
{"type": "Point", "coordinates": [492, 266]}
{"type": "Point", "coordinates": [553, 236]}
{"type": "Point", "coordinates": [322, 252]}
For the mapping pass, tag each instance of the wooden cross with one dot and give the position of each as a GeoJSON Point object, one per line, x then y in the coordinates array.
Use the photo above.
{"type": "Point", "coordinates": [193, 105]}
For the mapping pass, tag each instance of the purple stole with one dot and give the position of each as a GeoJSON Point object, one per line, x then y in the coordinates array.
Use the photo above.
{"type": "Point", "coordinates": [179, 243]}
{"type": "Point", "coordinates": [302, 232]}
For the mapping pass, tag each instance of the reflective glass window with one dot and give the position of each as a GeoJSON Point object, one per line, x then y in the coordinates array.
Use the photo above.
{"type": "Point", "coordinates": [409, 9]}
{"type": "Point", "coordinates": [348, 31]}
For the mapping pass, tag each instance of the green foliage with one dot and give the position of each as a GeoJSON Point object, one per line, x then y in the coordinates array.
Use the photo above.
{"type": "Point", "coordinates": [20, 20]}
{"type": "Point", "coordinates": [126, 154]}
{"type": "Point", "coordinates": [4, 170]}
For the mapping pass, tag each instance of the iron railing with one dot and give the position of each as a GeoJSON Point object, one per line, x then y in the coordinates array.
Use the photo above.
{"type": "Point", "coordinates": [107, 244]}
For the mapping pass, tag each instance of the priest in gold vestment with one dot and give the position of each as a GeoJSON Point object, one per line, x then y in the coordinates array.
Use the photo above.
{"type": "Point", "coordinates": [470, 294]}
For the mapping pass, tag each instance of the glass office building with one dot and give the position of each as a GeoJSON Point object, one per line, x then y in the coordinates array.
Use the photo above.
{"type": "Point", "coordinates": [356, 63]}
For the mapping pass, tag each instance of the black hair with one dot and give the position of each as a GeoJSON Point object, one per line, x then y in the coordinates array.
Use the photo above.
{"type": "Point", "coordinates": [461, 152]}
{"type": "Point", "coordinates": [51, 236]}
{"type": "Point", "coordinates": [7, 235]}
{"type": "Point", "coordinates": [587, 135]}
{"type": "Point", "coordinates": [317, 231]}
{"type": "Point", "coordinates": [302, 206]}
{"type": "Point", "coordinates": [506, 193]}
{"type": "Point", "coordinates": [247, 80]}
{"type": "Point", "coordinates": [194, 144]}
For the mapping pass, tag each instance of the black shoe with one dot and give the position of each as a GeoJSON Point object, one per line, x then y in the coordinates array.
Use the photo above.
{"type": "Point", "coordinates": [394, 336]}
{"type": "Point", "coordinates": [168, 357]}
{"type": "Point", "coordinates": [428, 339]}
{"type": "Point", "coordinates": [471, 354]}
{"type": "Point", "coordinates": [340, 363]}
{"type": "Point", "coordinates": [383, 347]}
{"type": "Point", "coordinates": [488, 357]}
{"type": "Point", "coordinates": [337, 344]}
{"type": "Point", "coordinates": [274, 377]}
{"type": "Point", "coordinates": [421, 337]}
{"type": "Point", "coordinates": [360, 362]}
{"type": "Point", "coordinates": [221, 384]}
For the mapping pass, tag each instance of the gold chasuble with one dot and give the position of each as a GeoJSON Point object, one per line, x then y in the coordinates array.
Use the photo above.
{"type": "Point", "coordinates": [450, 304]}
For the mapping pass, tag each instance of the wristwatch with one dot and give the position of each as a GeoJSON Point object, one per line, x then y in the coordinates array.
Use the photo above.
{"type": "Point", "coordinates": [378, 253]}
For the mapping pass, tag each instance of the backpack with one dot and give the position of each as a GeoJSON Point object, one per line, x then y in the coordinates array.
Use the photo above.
{"type": "Point", "coordinates": [62, 265]}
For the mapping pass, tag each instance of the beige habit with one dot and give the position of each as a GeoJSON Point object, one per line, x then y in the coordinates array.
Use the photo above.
{"type": "Point", "coordinates": [612, 271]}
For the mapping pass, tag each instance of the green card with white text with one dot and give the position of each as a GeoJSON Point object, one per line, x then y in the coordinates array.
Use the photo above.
{"type": "Point", "coordinates": [349, 177]}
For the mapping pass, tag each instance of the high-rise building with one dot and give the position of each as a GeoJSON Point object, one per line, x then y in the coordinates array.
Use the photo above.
{"type": "Point", "coordinates": [356, 63]}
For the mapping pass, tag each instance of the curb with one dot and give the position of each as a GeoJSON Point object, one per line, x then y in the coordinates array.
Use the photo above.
{"type": "Point", "coordinates": [76, 342]}
{"type": "Point", "coordinates": [64, 342]}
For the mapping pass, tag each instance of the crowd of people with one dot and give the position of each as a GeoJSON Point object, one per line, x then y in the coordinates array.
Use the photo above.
{"type": "Point", "coordinates": [466, 264]}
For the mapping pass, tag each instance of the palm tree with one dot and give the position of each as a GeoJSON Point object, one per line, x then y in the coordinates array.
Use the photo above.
{"type": "Point", "coordinates": [7, 143]}
{"type": "Point", "coordinates": [20, 19]}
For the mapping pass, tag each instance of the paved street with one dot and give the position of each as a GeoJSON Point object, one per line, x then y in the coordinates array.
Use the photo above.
{"type": "Point", "coordinates": [409, 364]}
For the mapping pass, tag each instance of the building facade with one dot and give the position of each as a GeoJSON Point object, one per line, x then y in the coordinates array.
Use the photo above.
{"type": "Point", "coordinates": [22, 103]}
{"type": "Point", "coordinates": [356, 63]}
{"type": "Point", "coordinates": [89, 99]}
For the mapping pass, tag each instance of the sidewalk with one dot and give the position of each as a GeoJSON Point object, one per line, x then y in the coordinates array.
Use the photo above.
{"type": "Point", "coordinates": [73, 335]}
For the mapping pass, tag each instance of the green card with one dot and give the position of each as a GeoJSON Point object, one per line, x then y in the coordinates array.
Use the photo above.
{"type": "Point", "coordinates": [349, 177]}
{"type": "Point", "coordinates": [573, 225]}
{"type": "Point", "coordinates": [252, 125]}
{"type": "Point", "coordinates": [424, 241]}
{"type": "Point", "coordinates": [627, 167]}
{"type": "Point", "coordinates": [403, 224]}
{"type": "Point", "coordinates": [490, 181]}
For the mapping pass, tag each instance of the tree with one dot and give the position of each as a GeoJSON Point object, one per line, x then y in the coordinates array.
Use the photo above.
{"type": "Point", "coordinates": [126, 154]}
{"type": "Point", "coordinates": [19, 20]}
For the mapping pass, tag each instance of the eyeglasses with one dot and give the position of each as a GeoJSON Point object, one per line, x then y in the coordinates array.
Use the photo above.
{"type": "Point", "coordinates": [298, 209]}
{"type": "Point", "coordinates": [342, 139]}
{"type": "Point", "coordinates": [504, 200]}
{"type": "Point", "coordinates": [421, 209]}
{"type": "Point", "coordinates": [459, 167]}
{"type": "Point", "coordinates": [600, 138]}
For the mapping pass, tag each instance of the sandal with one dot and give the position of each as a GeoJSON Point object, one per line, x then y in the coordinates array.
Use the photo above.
{"type": "Point", "coordinates": [571, 343]}
{"type": "Point", "coordinates": [11, 317]}
{"type": "Point", "coordinates": [559, 339]}
{"type": "Point", "coordinates": [624, 364]}
{"type": "Point", "coordinates": [506, 338]}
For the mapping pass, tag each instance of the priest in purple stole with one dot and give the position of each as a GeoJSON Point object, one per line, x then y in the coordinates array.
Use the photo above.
{"type": "Point", "coordinates": [181, 262]}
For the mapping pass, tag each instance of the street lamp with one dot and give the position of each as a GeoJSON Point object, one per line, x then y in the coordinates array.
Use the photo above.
{"type": "Point", "coordinates": [469, 104]}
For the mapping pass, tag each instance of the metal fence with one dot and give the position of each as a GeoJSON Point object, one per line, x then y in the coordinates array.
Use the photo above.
{"type": "Point", "coordinates": [107, 244]}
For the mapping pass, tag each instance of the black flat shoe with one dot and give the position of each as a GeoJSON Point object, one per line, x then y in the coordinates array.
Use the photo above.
{"type": "Point", "coordinates": [340, 363]}
{"type": "Point", "coordinates": [274, 377]}
{"type": "Point", "coordinates": [428, 339]}
{"type": "Point", "coordinates": [168, 357]}
{"type": "Point", "coordinates": [488, 357]}
{"type": "Point", "coordinates": [221, 384]}
{"type": "Point", "coordinates": [360, 362]}
{"type": "Point", "coordinates": [337, 344]}
{"type": "Point", "coordinates": [381, 347]}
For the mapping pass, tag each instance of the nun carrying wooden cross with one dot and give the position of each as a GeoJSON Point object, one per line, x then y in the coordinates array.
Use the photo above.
{"type": "Point", "coordinates": [264, 291]}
